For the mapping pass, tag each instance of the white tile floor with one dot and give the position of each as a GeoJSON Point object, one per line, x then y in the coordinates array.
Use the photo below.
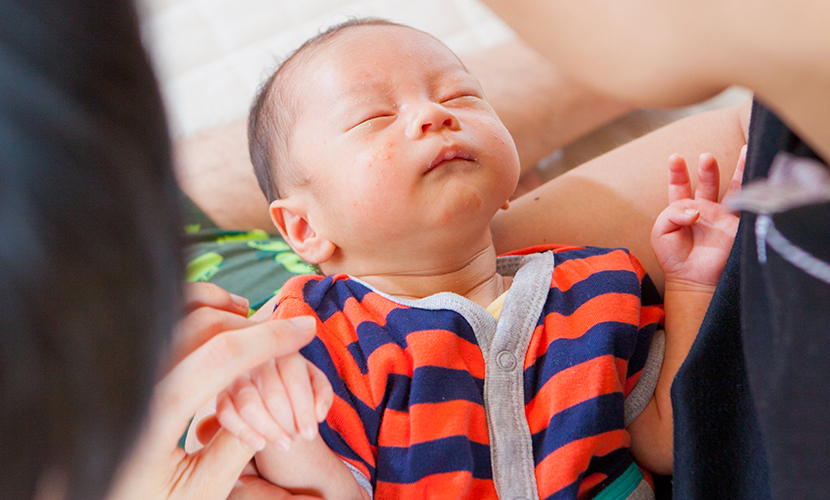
{"type": "Point", "coordinates": [211, 55]}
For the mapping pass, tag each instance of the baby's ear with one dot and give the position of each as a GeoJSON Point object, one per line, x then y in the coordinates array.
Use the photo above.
{"type": "Point", "coordinates": [292, 221]}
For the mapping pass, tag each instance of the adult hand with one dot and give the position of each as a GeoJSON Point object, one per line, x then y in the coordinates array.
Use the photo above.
{"type": "Point", "coordinates": [215, 344]}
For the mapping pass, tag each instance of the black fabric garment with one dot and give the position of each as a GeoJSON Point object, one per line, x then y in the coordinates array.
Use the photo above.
{"type": "Point", "coordinates": [786, 328]}
{"type": "Point", "coordinates": [751, 401]}
{"type": "Point", "coordinates": [90, 265]}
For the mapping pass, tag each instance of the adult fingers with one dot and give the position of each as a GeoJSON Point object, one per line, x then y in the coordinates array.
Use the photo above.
{"type": "Point", "coordinates": [294, 373]}
{"type": "Point", "coordinates": [206, 429]}
{"type": "Point", "coordinates": [218, 466]}
{"type": "Point", "coordinates": [708, 179]}
{"type": "Point", "coordinates": [323, 393]}
{"type": "Point", "coordinates": [199, 326]}
{"type": "Point", "coordinates": [680, 186]}
{"type": "Point", "coordinates": [203, 294]}
{"type": "Point", "coordinates": [213, 366]}
{"type": "Point", "coordinates": [737, 177]}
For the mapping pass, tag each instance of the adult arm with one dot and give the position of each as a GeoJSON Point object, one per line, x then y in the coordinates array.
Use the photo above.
{"type": "Point", "coordinates": [613, 200]}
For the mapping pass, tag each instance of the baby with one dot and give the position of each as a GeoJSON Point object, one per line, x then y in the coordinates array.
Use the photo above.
{"type": "Point", "coordinates": [453, 373]}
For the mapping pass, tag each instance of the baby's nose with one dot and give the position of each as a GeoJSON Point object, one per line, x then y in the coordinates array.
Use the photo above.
{"type": "Point", "coordinates": [431, 117]}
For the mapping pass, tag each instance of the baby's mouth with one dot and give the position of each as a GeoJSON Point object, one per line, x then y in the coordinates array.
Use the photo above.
{"type": "Point", "coordinates": [449, 153]}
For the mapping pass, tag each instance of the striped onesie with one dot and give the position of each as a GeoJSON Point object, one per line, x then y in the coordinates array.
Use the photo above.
{"type": "Point", "coordinates": [435, 398]}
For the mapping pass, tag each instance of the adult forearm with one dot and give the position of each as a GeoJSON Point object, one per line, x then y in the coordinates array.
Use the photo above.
{"type": "Point", "coordinates": [541, 107]}
{"type": "Point", "coordinates": [613, 200]}
{"type": "Point", "coordinates": [213, 168]}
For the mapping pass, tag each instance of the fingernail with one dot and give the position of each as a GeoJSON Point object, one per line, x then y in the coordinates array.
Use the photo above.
{"type": "Point", "coordinates": [690, 211]}
{"type": "Point", "coordinates": [284, 443]}
{"type": "Point", "coordinates": [302, 323]}
{"type": "Point", "coordinates": [309, 432]}
{"type": "Point", "coordinates": [241, 302]}
{"type": "Point", "coordinates": [252, 440]}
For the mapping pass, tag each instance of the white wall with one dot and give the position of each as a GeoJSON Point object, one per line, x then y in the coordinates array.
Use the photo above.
{"type": "Point", "coordinates": [211, 55]}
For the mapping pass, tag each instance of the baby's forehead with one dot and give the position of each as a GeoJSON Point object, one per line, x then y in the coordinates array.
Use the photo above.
{"type": "Point", "coordinates": [361, 60]}
{"type": "Point", "coordinates": [358, 44]}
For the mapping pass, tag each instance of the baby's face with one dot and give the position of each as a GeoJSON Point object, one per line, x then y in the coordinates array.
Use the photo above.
{"type": "Point", "coordinates": [398, 142]}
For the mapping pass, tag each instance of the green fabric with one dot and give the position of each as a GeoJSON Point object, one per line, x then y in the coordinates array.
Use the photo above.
{"type": "Point", "coordinates": [623, 485]}
{"type": "Point", "coordinates": [253, 264]}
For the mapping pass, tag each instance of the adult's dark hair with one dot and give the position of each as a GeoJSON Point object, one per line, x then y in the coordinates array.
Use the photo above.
{"type": "Point", "coordinates": [89, 261]}
{"type": "Point", "coordinates": [273, 112]}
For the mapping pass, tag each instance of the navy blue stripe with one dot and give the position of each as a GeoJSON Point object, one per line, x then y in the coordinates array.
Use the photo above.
{"type": "Point", "coordinates": [648, 293]}
{"type": "Point", "coordinates": [598, 283]}
{"type": "Point", "coordinates": [317, 353]}
{"type": "Point", "coordinates": [589, 418]}
{"type": "Point", "coordinates": [617, 339]}
{"type": "Point", "coordinates": [337, 444]}
{"type": "Point", "coordinates": [614, 465]}
{"type": "Point", "coordinates": [403, 321]}
{"type": "Point", "coordinates": [357, 354]}
{"type": "Point", "coordinates": [432, 384]}
{"type": "Point", "coordinates": [327, 297]}
{"type": "Point", "coordinates": [435, 384]}
{"type": "Point", "coordinates": [641, 350]}
{"type": "Point", "coordinates": [450, 454]}
{"type": "Point", "coordinates": [585, 252]}
{"type": "Point", "coordinates": [569, 492]}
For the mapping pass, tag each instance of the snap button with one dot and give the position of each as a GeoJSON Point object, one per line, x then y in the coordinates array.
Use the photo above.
{"type": "Point", "coordinates": [506, 361]}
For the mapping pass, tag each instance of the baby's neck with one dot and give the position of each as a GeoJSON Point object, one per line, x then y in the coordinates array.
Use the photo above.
{"type": "Point", "coordinates": [474, 278]}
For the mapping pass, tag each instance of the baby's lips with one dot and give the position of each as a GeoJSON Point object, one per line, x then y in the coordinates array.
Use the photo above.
{"type": "Point", "coordinates": [448, 153]}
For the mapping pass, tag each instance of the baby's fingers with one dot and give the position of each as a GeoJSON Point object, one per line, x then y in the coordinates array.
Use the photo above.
{"type": "Point", "coordinates": [232, 422]}
{"type": "Point", "coordinates": [708, 178]}
{"type": "Point", "coordinates": [680, 186]}
{"type": "Point", "coordinates": [249, 405]}
{"type": "Point", "coordinates": [277, 400]}
{"type": "Point", "coordinates": [293, 370]}
{"type": "Point", "coordinates": [673, 218]}
{"type": "Point", "coordinates": [737, 177]}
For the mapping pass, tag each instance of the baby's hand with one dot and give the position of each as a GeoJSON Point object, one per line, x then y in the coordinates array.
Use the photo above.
{"type": "Point", "coordinates": [275, 402]}
{"type": "Point", "coordinates": [692, 238]}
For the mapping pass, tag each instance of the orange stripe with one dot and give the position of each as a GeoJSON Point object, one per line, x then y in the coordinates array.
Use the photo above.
{"type": "Point", "coordinates": [638, 267]}
{"type": "Point", "coordinates": [570, 272]}
{"type": "Point", "coordinates": [651, 314]}
{"type": "Point", "coordinates": [445, 349]}
{"type": "Point", "coordinates": [449, 486]}
{"type": "Point", "coordinates": [335, 339]}
{"type": "Point", "coordinates": [341, 327]}
{"type": "Point", "coordinates": [379, 306]}
{"type": "Point", "coordinates": [430, 421]}
{"type": "Point", "coordinates": [570, 387]}
{"type": "Point", "coordinates": [345, 420]}
{"type": "Point", "coordinates": [563, 466]}
{"type": "Point", "coordinates": [386, 360]}
{"type": "Point", "coordinates": [589, 482]}
{"type": "Point", "coordinates": [541, 248]}
{"type": "Point", "coordinates": [347, 368]}
{"type": "Point", "coordinates": [620, 307]}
